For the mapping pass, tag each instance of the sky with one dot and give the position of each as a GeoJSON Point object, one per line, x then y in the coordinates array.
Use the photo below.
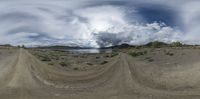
{"type": "Point", "coordinates": [98, 23]}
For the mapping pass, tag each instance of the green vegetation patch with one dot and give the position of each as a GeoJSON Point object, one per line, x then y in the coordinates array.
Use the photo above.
{"type": "Point", "coordinates": [169, 54]}
{"type": "Point", "coordinates": [156, 44]}
{"type": "Point", "coordinates": [176, 44]}
{"type": "Point", "coordinates": [45, 58]}
{"type": "Point", "coordinates": [149, 59]}
{"type": "Point", "coordinates": [104, 62]}
{"type": "Point", "coordinates": [63, 64]}
{"type": "Point", "coordinates": [137, 53]}
{"type": "Point", "coordinates": [76, 68]}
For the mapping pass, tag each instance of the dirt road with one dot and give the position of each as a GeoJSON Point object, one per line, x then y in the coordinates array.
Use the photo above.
{"type": "Point", "coordinates": [23, 76]}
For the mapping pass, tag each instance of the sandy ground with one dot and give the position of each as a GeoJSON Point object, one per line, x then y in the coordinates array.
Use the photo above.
{"type": "Point", "coordinates": [23, 76]}
{"type": "Point", "coordinates": [73, 61]}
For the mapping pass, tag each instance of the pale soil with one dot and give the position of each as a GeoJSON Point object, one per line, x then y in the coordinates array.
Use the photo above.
{"type": "Point", "coordinates": [73, 61]}
{"type": "Point", "coordinates": [23, 76]}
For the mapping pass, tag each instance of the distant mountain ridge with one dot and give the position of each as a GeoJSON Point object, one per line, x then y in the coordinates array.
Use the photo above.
{"type": "Point", "coordinates": [63, 47]}
{"type": "Point", "coordinates": [155, 44]}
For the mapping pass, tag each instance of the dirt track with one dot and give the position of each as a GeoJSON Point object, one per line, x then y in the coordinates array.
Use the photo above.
{"type": "Point", "coordinates": [22, 76]}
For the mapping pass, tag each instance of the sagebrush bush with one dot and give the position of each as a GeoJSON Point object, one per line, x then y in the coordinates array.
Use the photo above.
{"type": "Point", "coordinates": [176, 44]}
{"type": "Point", "coordinates": [104, 62]}
{"type": "Point", "coordinates": [135, 53]}
{"type": "Point", "coordinates": [63, 64]}
{"type": "Point", "coordinates": [170, 54]}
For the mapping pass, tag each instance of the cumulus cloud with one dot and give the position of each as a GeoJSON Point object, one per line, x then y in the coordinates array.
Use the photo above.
{"type": "Point", "coordinates": [190, 13]}
{"type": "Point", "coordinates": [86, 23]}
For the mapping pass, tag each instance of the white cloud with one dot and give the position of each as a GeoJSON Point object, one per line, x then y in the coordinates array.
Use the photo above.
{"type": "Point", "coordinates": [190, 13]}
{"type": "Point", "coordinates": [74, 23]}
{"type": "Point", "coordinates": [110, 27]}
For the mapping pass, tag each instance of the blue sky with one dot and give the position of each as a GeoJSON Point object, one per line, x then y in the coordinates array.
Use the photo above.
{"type": "Point", "coordinates": [95, 23]}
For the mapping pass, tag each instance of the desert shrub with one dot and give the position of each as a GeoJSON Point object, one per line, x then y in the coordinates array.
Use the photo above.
{"type": "Point", "coordinates": [89, 63]}
{"type": "Point", "coordinates": [170, 54]}
{"type": "Point", "coordinates": [7, 45]}
{"type": "Point", "coordinates": [150, 60]}
{"type": "Point", "coordinates": [45, 58]}
{"type": "Point", "coordinates": [106, 56]}
{"type": "Point", "coordinates": [135, 53]}
{"type": "Point", "coordinates": [157, 44]}
{"type": "Point", "coordinates": [23, 46]}
{"type": "Point", "coordinates": [75, 68]}
{"type": "Point", "coordinates": [137, 47]}
{"type": "Point", "coordinates": [104, 62]}
{"type": "Point", "coordinates": [97, 57]}
{"type": "Point", "coordinates": [114, 54]}
{"type": "Point", "coordinates": [145, 52]}
{"type": "Point", "coordinates": [176, 44]}
{"type": "Point", "coordinates": [50, 63]}
{"type": "Point", "coordinates": [76, 56]}
{"type": "Point", "coordinates": [111, 55]}
{"type": "Point", "coordinates": [54, 57]}
{"type": "Point", "coordinates": [63, 64]}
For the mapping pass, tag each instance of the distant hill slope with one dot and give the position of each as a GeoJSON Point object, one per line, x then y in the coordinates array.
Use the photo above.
{"type": "Point", "coordinates": [155, 44]}
{"type": "Point", "coordinates": [62, 47]}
